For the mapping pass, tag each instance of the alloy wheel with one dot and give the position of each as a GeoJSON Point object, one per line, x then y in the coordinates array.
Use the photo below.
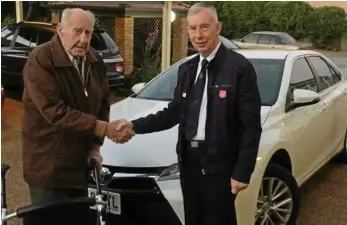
{"type": "Point", "coordinates": [275, 203]}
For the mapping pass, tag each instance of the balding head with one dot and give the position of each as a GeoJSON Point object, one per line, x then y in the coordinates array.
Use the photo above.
{"type": "Point", "coordinates": [75, 30]}
{"type": "Point", "coordinates": [80, 13]}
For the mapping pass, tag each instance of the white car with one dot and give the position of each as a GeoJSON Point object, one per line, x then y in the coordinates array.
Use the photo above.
{"type": "Point", "coordinates": [304, 120]}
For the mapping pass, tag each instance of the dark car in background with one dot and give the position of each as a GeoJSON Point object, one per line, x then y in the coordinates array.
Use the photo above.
{"type": "Point", "coordinates": [19, 39]}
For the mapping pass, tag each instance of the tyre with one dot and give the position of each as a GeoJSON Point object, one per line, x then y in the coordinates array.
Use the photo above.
{"type": "Point", "coordinates": [279, 198]}
{"type": "Point", "coordinates": [342, 157]}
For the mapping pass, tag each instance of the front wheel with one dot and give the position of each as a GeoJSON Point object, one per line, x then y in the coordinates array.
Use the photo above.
{"type": "Point", "coordinates": [343, 155]}
{"type": "Point", "coordinates": [278, 199]}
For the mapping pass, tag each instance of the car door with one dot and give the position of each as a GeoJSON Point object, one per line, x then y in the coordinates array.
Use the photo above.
{"type": "Point", "coordinates": [16, 55]}
{"type": "Point", "coordinates": [250, 41]}
{"type": "Point", "coordinates": [264, 41]}
{"type": "Point", "coordinates": [304, 127]}
{"type": "Point", "coordinates": [333, 99]}
{"type": "Point", "coordinates": [7, 69]}
{"type": "Point", "coordinates": [275, 41]}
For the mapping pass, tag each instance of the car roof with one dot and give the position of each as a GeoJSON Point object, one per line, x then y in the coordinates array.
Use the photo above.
{"type": "Point", "coordinates": [273, 53]}
{"type": "Point", "coordinates": [35, 24]}
{"type": "Point", "coordinates": [268, 53]}
{"type": "Point", "coordinates": [264, 54]}
{"type": "Point", "coordinates": [268, 32]}
{"type": "Point", "coordinates": [44, 25]}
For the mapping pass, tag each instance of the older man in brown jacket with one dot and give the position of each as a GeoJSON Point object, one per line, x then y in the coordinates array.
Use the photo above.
{"type": "Point", "coordinates": [66, 113]}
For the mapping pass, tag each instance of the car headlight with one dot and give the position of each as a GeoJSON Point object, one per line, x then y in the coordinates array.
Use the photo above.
{"type": "Point", "coordinates": [170, 173]}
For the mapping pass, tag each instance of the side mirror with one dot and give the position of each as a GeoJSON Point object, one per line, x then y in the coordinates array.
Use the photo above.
{"type": "Point", "coordinates": [138, 87]}
{"type": "Point", "coordinates": [303, 97]}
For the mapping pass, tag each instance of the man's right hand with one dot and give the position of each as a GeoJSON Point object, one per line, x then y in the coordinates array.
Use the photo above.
{"type": "Point", "coordinates": [120, 131]}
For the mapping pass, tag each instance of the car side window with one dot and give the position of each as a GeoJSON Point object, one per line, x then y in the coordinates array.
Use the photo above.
{"type": "Point", "coordinates": [325, 76]}
{"type": "Point", "coordinates": [301, 78]}
{"type": "Point", "coordinates": [26, 38]}
{"type": "Point", "coordinates": [97, 42]}
{"type": "Point", "coordinates": [264, 39]}
{"type": "Point", "coordinates": [44, 36]}
{"type": "Point", "coordinates": [274, 40]}
{"type": "Point", "coordinates": [336, 74]}
{"type": "Point", "coordinates": [7, 35]}
{"type": "Point", "coordinates": [252, 38]}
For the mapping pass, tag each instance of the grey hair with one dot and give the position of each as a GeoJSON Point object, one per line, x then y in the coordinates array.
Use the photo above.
{"type": "Point", "coordinates": [198, 7]}
{"type": "Point", "coordinates": [66, 14]}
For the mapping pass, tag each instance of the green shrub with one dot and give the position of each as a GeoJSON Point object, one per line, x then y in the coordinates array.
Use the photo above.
{"type": "Point", "coordinates": [324, 25]}
{"type": "Point", "coordinates": [7, 21]}
{"type": "Point", "coordinates": [330, 23]}
{"type": "Point", "coordinates": [291, 17]}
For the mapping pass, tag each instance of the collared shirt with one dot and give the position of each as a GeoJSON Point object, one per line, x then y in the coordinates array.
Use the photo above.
{"type": "Point", "coordinates": [203, 108]}
{"type": "Point", "coordinates": [75, 63]}
{"type": "Point", "coordinates": [82, 73]}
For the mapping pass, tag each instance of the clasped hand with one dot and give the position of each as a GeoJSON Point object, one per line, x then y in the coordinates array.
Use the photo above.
{"type": "Point", "coordinates": [120, 131]}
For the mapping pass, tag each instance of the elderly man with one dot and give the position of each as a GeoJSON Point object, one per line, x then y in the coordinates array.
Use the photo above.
{"type": "Point", "coordinates": [217, 106]}
{"type": "Point", "coordinates": [66, 113]}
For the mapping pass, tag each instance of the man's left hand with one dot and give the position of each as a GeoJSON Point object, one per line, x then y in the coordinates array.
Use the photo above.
{"type": "Point", "coordinates": [95, 154]}
{"type": "Point", "coordinates": [237, 186]}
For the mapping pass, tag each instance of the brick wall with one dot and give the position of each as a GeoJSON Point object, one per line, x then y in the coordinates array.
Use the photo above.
{"type": "Point", "coordinates": [55, 17]}
{"type": "Point", "coordinates": [124, 37]}
{"type": "Point", "coordinates": [179, 39]}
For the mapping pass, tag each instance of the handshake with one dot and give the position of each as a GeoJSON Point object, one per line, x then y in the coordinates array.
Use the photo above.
{"type": "Point", "coordinates": [119, 131]}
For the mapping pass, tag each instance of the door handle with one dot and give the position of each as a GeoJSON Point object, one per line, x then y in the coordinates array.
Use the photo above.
{"type": "Point", "coordinates": [324, 107]}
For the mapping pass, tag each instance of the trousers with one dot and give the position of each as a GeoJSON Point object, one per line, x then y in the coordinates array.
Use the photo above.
{"type": "Point", "coordinates": [65, 215]}
{"type": "Point", "coordinates": [207, 198]}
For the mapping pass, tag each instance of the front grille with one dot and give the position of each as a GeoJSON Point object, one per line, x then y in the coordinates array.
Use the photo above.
{"type": "Point", "coordinates": [146, 170]}
{"type": "Point", "coordinates": [141, 199]}
{"type": "Point", "coordinates": [133, 183]}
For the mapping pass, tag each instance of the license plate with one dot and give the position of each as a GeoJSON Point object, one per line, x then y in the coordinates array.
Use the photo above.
{"type": "Point", "coordinates": [113, 200]}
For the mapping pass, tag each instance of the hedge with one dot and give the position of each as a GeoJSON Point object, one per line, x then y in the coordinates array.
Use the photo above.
{"type": "Point", "coordinates": [299, 19]}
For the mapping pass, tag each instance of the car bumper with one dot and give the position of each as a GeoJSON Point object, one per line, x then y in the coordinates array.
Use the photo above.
{"type": "Point", "coordinates": [115, 80]}
{"type": "Point", "coordinates": [142, 202]}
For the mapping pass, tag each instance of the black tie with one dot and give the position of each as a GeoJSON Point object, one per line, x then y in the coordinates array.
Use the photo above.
{"type": "Point", "coordinates": [194, 103]}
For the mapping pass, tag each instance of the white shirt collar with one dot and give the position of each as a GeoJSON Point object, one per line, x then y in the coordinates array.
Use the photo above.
{"type": "Point", "coordinates": [73, 59]}
{"type": "Point", "coordinates": [212, 55]}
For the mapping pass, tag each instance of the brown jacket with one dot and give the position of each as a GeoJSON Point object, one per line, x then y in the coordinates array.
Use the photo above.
{"type": "Point", "coordinates": [61, 124]}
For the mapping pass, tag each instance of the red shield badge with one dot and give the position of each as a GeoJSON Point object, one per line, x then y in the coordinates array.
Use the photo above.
{"type": "Point", "coordinates": [222, 94]}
